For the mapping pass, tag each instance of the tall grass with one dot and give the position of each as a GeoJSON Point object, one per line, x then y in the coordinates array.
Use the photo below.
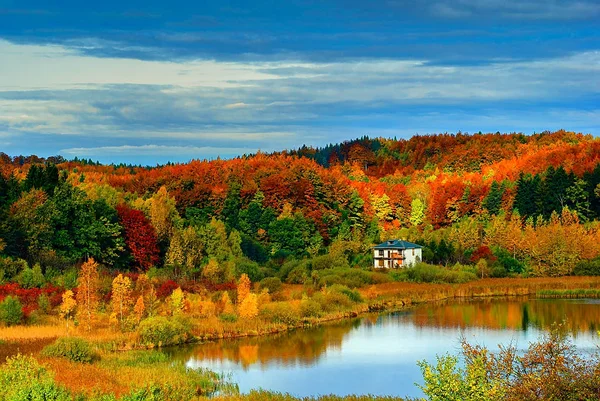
{"type": "Point", "coordinates": [572, 293]}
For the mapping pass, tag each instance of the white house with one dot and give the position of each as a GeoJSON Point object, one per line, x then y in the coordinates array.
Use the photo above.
{"type": "Point", "coordinates": [396, 253]}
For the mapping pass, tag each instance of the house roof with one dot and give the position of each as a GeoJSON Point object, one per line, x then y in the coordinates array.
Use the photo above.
{"type": "Point", "coordinates": [397, 244]}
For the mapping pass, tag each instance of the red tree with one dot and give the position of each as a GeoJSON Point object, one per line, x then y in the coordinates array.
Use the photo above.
{"type": "Point", "coordinates": [140, 236]}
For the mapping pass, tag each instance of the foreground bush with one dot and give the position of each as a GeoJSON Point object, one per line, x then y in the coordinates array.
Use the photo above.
{"type": "Point", "coordinates": [72, 348]}
{"type": "Point", "coordinates": [160, 331]}
{"type": "Point", "coordinates": [549, 370]}
{"type": "Point", "coordinates": [23, 378]}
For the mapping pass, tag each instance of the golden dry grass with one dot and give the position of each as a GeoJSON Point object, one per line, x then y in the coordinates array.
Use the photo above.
{"type": "Point", "coordinates": [28, 333]}
{"type": "Point", "coordinates": [485, 287]}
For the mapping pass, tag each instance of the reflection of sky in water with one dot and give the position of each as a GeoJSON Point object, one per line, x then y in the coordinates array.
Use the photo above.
{"type": "Point", "coordinates": [375, 358]}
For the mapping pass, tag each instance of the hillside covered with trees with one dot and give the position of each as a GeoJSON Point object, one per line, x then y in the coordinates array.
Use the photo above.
{"type": "Point", "coordinates": [523, 204]}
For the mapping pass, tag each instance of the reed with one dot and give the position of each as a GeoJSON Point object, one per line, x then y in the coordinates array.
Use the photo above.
{"type": "Point", "coordinates": [577, 293]}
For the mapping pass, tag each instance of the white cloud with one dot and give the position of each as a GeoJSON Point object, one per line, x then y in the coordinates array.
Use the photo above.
{"type": "Point", "coordinates": [52, 90]}
{"type": "Point", "coordinates": [154, 150]}
{"type": "Point", "coordinates": [26, 67]}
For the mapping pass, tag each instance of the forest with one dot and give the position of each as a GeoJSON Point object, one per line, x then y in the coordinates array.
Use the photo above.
{"type": "Point", "coordinates": [524, 205]}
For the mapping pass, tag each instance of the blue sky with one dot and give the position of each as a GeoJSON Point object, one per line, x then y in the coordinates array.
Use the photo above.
{"type": "Point", "coordinates": [154, 81]}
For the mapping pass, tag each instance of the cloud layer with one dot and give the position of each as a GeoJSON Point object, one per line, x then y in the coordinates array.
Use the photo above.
{"type": "Point", "coordinates": [188, 81]}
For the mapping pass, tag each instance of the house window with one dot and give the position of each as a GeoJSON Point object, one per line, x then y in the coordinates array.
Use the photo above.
{"type": "Point", "coordinates": [380, 261]}
{"type": "Point", "coordinates": [380, 252]}
{"type": "Point", "coordinates": [413, 251]}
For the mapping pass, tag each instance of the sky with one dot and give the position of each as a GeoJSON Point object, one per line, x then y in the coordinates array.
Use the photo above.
{"type": "Point", "coordinates": [154, 81]}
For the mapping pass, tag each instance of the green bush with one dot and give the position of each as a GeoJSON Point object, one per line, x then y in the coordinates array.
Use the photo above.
{"type": "Point", "coordinates": [426, 273]}
{"type": "Point", "coordinates": [273, 284]}
{"type": "Point", "coordinates": [330, 261]}
{"type": "Point", "coordinates": [11, 311]}
{"type": "Point", "coordinates": [252, 269]}
{"type": "Point", "coordinates": [161, 331]}
{"type": "Point", "coordinates": [310, 308]}
{"type": "Point", "coordinates": [228, 317]}
{"type": "Point", "coordinates": [23, 378]}
{"type": "Point", "coordinates": [511, 265]}
{"type": "Point", "coordinates": [280, 312]}
{"type": "Point", "coordinates": [44, 303]}
{"type": "Point", "coordinates": [298, 275]}
{"type": "Point", "coordinates": [587, 268]}
{"type": "Point", "coordinates": [353, 278]}
{"type": "Point", "coordinates": [72, 348]}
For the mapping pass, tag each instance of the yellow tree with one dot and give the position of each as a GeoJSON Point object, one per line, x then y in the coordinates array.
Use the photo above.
{"type": "Point", "coordinates": [139, 308]}
{"type": "Point", "coordinates": [120, 299]}
{"type": "Point", "coordinates": [67, 307]}
{"type": "Point", "coordinates": [226, 304]}
{"type": "Point", "coordinates": [162, 211]}
{"type": "Point", "coordinates": [249, 307]}
{"type": "Point", "coordinates": [88, 284]}
{"type": "Point", "coordinates": [177, 301]}
{"type": "Point", "coordinates": [243, 288]}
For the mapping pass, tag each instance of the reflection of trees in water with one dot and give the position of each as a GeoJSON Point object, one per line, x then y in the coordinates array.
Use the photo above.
{"type": "Point", "coordinates": [298, 347]}
{"type": "Point", "coordinates": [305, 347]}
{"type": "Point", "coordinates": [517, 314]}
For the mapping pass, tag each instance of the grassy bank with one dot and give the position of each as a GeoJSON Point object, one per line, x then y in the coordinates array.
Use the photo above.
{"type": "Point", "coordinates": [576, 293]}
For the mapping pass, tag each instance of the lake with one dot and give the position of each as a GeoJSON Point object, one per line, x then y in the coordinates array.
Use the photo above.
{"type": "Point", "coordinates": [378, 354]}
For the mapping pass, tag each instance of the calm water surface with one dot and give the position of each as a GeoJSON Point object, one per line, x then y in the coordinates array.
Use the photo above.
{"type": "Point", "coordinates": [378, 354]}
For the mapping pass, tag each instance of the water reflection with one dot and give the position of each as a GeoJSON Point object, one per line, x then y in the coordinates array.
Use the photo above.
{"type": "Point", "coordinates": [378, 354]}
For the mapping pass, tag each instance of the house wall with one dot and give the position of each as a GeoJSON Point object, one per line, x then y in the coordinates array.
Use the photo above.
{"type": "Point", "coordinates": [410, 257]}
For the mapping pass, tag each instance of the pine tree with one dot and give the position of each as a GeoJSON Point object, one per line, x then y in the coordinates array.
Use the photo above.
{"type": "Point", "coordinates": [493, 202]}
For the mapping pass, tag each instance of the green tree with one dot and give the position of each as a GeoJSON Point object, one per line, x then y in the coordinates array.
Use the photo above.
{"type": "Point", "coordinates": [11, 311]}
{"type": "Point", "coordinates": [577, 199]}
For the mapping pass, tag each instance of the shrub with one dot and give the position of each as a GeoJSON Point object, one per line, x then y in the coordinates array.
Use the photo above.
{"type": "Point", "coordinates": [310, 308]}
{"type": "Point", "coordinates": [11, 311]}
{"type": "Point", "coordinates": [161, 331]}
{"type": "Point", "coordinates": [228, 317]}
{"type": "Point", "coordinates": [250, 268]}
{"type": "Point", "coordinates": [353, 278]}
{"type": "Point", "coordinates": [332, 299]}
{"type": "Point", "coordinates": [273, 284]}
{"type": "Point", "coordinates": [426, 273]}
{"type": "Point", "coordinates": [330, 261]}
{"type": "Point", "coordinates": [44, 303]}
{"type": "Point", "coordinates": [281, 312]}
{"type": "Point", "coordinates": [587, 268]}
{"type": "Point", "coordinates": [23, 378]}
{"type": "Point", "coordinates": [72, 348]}
{"type": "Point", "coordinates": [298, 275]}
